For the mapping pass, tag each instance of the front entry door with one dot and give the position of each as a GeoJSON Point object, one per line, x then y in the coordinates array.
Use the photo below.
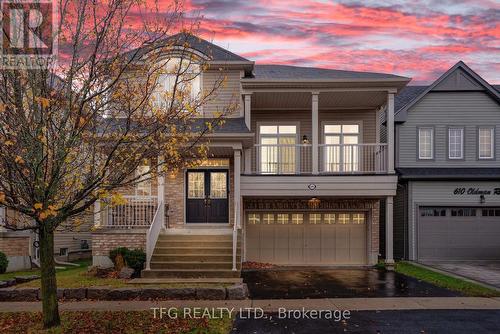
{"type": "Point", "coordinates": [207, 196]}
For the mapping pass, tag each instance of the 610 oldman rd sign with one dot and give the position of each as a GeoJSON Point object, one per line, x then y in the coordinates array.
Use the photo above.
{"type": "Point", "coordinates": [475, 191]}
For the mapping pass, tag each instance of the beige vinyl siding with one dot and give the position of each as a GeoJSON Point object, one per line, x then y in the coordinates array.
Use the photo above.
{"type": "Point", "coordinates": [442, 110]}
{"type": "Point", "coordinates": [69, 235]}
{"type": "Point", "coordinates": [228, 94]}
{"type": "Point", "coordinates": [367, 120]}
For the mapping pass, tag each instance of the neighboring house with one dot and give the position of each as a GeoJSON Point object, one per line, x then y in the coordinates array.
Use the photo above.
{"type": "Point", "coordinates": [70, 243]}
{"type": "Point", "coordinates": [448, 151]}
{"type": "Point", "coordinates": [296, 176]}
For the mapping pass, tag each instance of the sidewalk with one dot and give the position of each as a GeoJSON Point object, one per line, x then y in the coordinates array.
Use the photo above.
{"type": "Point", "coordinates": [272, 305]}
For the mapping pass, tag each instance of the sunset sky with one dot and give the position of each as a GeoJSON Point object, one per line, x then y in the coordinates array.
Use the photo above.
{"type": "Point", "coordinates": [416, 38]}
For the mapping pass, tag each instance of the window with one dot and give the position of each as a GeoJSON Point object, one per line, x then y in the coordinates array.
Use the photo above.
{"type": "Point", "coordinates": [425, 143]}
{"type": "Point", "coordinates": [196, 185]}
{"type": "Point", "coordinates": [143, 186]}
{"type": "Point", "coordinates": [63, 251]}
{"type": "Point", "coordinates": [253, 218]}
{"type": "Point", "coordinates": [463, 212]}
{"type": "Point", "coordinates": [181, 75]}
{"type": "Point", "coordinates": [344, 218]}
{"type": "Point", "coordinates": [268, 218]}
{"type": "Point", "coordinates": [341, 151]}
{"type": "Point", "coordinates": [282, 218]}
{"type": "Point", "coordinates": [358, 218]}
{"type": "Point", "coordinates": [491, 212]}
{"type": "Point", "coordinates": [297, 218]}
{"type": "Point", "coordinates": [277, 149]}
{"type": "Point", "coordinates": [218, 185]}
{"type": "Point", "coordinates": [433, 212]}
{"type": "Point", "coordinates": [315, 218]}
{"type": "Point", "coordinates": [329, 218]}
{"type": "Point", "coordinates": [456, 143]}
{"type": "Point", "coordinates": [486, 143]}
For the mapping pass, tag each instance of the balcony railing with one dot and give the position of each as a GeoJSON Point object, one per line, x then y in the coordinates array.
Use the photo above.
{"type": "Point", "coordinates": [291, 159]}
{"type": "Point", "coordinates": [281, 159]}
{"type": "Point", "coordinates": [138, 212]}
{"type": "Point", "coordinates": [352, 158]}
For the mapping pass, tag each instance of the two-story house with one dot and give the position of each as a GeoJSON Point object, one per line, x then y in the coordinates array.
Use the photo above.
{"type": "Point", "coordinates": [448, 151]}
{"type": "Point", "coordinates": [295, 177]}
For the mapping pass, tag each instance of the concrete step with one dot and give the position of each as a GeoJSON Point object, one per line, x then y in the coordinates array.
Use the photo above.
{"type": "Point", "coordinates": [186, 280]}
{"type": "Point", "coordinates": [160, 250]}
{"type": "Point", "coordinates": [189, 273]}
{"type": "Point", "coordinates": [203, 257]}
{"type": "Point", "coordinates": [190, 265]}
{"type": "Point", "coordinates": [207, 237]}
{"type": "Point", "coordinates": [197, 243]}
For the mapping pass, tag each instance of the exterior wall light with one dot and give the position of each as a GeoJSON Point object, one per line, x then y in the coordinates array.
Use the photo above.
{"type": "Point", "coordinates": [305, 140]}
{"type": "Point", "coordinates": [482, 199]}
{"type": "Point", "coordinates": [313, 203]}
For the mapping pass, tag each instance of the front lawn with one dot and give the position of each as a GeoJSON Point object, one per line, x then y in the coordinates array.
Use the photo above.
{"type": "Point", "coordinates": [112, 322]}
{"type": "Point", "coordinates": [445, 281]}
{"type": "Point", "coordinates": [36, 271]}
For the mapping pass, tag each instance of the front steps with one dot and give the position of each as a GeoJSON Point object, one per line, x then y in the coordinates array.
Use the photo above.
{"type": "Point", "coordinates": [193, 256]}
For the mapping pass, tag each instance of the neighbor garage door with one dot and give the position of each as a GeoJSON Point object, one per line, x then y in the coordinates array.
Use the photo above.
{"type": "Point", "coordinates": [306, 238]}
{"type": "Point", "coordinates": [458, 233]}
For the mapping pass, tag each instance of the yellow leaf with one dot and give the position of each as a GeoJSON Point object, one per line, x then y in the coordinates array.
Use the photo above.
{"type": "Point", "coordinates": [38, 206]}
{"type": "Point", "coordinates": [19, 160]}
{"type": "Point", "coordinates": [9, 143]}
{"type": "Point", "coordinates": [2, 197]}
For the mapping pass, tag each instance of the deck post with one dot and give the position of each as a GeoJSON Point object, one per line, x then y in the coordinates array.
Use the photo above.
{"type": "Point", "coordinates": [390, 133]}
{"type": "Point", "coordinates": [389, 250]}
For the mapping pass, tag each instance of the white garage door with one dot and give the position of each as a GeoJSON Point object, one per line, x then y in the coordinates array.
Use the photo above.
{"type": "Point", "coordinates": [306, 238]}
{"type": "Point", "coordinates": [458, 233]}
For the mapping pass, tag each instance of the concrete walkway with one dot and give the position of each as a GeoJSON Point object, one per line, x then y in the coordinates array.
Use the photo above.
{"type": "Point", "coordinates": [272, 305]}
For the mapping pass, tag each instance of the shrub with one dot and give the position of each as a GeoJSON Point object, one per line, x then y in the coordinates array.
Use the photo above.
{"type": "Point", "coordinates": [4, 262]}
{"type": "Point", "coordinates": [135, 259]}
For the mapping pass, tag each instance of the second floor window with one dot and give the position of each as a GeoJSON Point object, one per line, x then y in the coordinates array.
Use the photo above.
{"type": "Point", "coordinates": [486, 143]}
{"type": "Point", "coordinates": [278, 149]}
{"type": "Point", "coordinates": [341, 150]}
{"type": "Point", "coordinates": [425, 143]}
{"type": "Point", "coordinates": [143, 186]}
{"type": "Point", "coordinates": [456, 143]}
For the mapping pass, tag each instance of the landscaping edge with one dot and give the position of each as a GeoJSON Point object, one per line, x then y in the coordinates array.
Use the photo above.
{"type": "Point", "coordinates": [234, 292]}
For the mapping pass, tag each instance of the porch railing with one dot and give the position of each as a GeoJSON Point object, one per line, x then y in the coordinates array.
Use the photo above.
{"type": "Point", "coordinates": [281, 159]}
{"type": "Point", "coordinates": [352, 158]}
{"type": "Point", "coordinates": [293, 159]}
{"type": "Point", "coordinates": [137, 212]}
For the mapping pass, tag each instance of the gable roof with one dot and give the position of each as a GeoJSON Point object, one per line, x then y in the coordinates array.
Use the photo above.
{"type": "Point", "coordinates": [401, 114]}
{"type": "Point", "coordinates": [211, 51]}
{"type": "Point", "coordinates": [288, 72]}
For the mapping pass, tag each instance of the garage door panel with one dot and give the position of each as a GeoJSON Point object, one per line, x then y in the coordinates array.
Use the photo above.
{"type": "Point", "coordinates": [458, 237]}
{"type": "Point", "coordinates": [299, 242]}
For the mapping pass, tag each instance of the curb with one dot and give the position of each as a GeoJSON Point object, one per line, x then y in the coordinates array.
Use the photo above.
{"type": "Point", "coordinates": [235, 292]}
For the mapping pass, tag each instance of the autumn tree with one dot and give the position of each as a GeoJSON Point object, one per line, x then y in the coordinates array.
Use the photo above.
{"type": "Point", "coordinates": [76, 133]}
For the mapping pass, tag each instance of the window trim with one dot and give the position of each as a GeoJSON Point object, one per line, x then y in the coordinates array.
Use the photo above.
{"type": "Point", "coordinates": [462, 153]}
{"type": "Point", "coordinates": [493, 146]}
{"type": "Point", "coordinates": [433, 142]}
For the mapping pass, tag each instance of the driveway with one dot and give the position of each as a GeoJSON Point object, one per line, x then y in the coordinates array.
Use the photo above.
{"type": "Point", "coordinates": [413, 321]}
{"type": "Point", "coordinates": [337, 283]}
{"type": "Point", "coordinates": [487, 272]}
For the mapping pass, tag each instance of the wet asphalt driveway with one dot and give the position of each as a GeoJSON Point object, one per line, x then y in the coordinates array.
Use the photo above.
{"type": "Point", "coordinates": [337, 283]}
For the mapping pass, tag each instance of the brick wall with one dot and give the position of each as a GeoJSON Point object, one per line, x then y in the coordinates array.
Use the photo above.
{"type": "Point", "coordinates": [14, 245]}
{"type": "Point", "coordinates": [104, 241]}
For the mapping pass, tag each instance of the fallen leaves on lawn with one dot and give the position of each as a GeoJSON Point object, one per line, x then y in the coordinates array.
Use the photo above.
{"type": "Point", "coordinates": [257, 265]}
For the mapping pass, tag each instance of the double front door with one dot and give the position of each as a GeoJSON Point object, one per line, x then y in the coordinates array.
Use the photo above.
{"type": "Point", "coordinates": [207, 196]}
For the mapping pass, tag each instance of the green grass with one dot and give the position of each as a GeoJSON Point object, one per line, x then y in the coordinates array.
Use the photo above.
{"type": "Point", "coordinates": [112, 322]}
{"type": "Point", "coordinates": [77, 277]}
{"type": "Point", "coordinates": [445, 281]}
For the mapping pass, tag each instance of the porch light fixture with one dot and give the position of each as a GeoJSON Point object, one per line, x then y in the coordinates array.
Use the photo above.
{"type": "Point", "coordinates": [313, 203]}
{"type": "Point", "coordinates": [482, 199]}
{"type": "Point", "coordinates": [305, 140]}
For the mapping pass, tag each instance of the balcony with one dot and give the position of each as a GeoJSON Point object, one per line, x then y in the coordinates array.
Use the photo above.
{"type": "Point", "coordinates": [334, 159]}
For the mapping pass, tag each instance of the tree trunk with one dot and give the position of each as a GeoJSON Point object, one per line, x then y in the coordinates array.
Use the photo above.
{"type": "Point", "coordinates": [49, 284]}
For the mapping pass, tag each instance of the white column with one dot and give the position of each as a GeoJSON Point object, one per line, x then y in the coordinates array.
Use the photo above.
{"type": "Point", "coordinates": [315, 136]}
{"type": "Point", "coordinates": [97, 213]}
{"type": "Point", "coordinates": [248, 105]}
{"type": "Point", "coordinates": [161, 191]}
{"type": "Point", "coordinates": [390, 133]}
{"type": "Point", "coordinates": [389, 250]}
{"type": "Point", "coordinates": [248, 161]}
{"type": "Point", "coordinates": [237, 192]}
{"type": "Point", "coordinates": [2, 219]}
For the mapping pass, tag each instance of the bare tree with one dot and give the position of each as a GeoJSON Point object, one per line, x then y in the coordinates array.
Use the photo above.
{"type": "Point", "coordinates": [121, 95]}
